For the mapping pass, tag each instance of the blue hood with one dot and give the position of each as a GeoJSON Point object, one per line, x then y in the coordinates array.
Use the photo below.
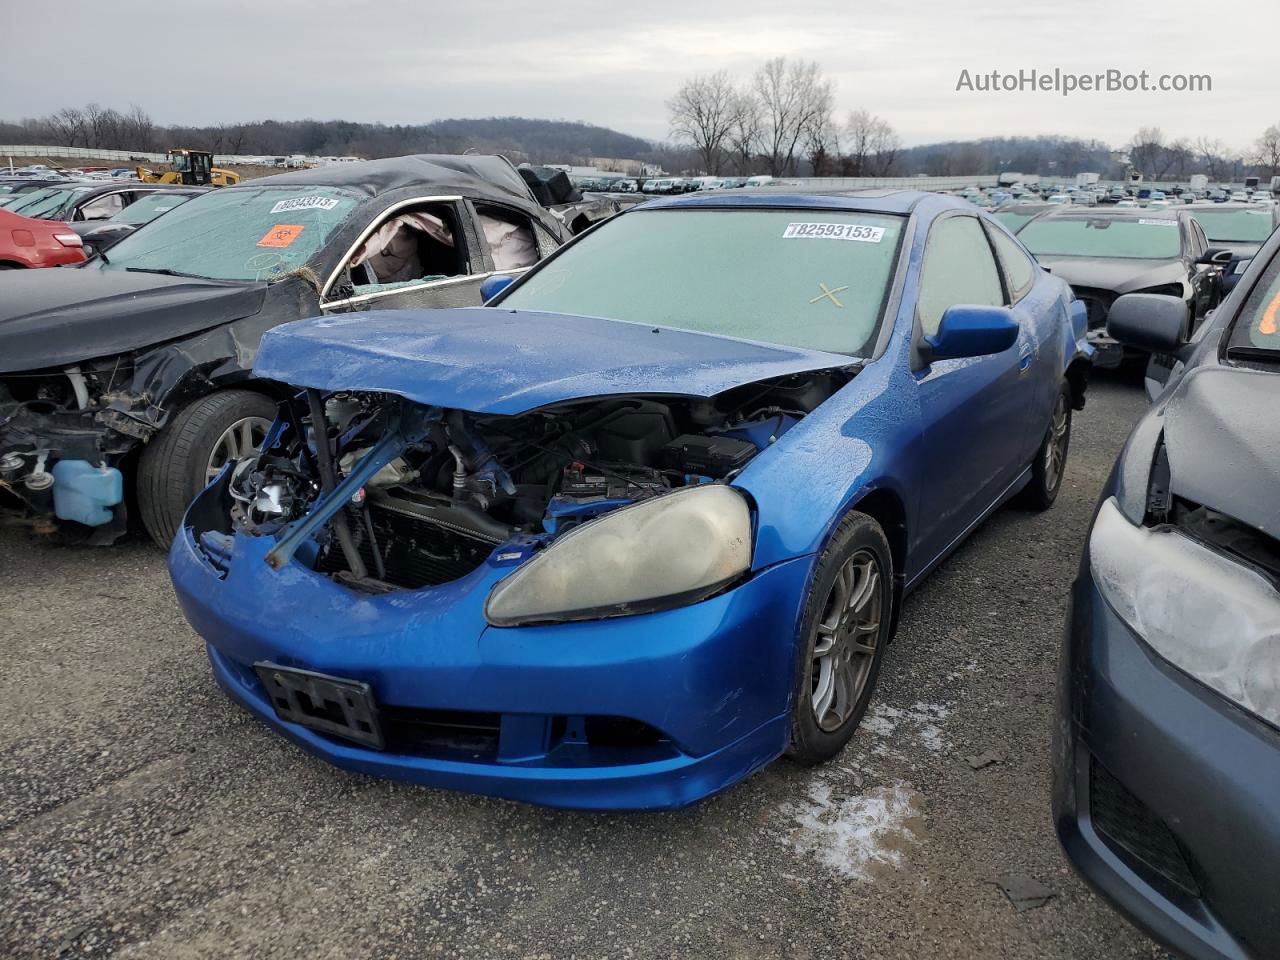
{"type": "Point", "coordinates": [490, 360]}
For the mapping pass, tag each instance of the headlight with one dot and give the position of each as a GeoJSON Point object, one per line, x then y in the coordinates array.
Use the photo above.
{"type": "Point", "coordinates": [671, 550]}
{"type": "Point", "coordinates": [1203, 612]}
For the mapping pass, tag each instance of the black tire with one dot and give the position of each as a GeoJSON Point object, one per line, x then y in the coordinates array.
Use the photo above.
{"type": "Point", "coordinates": [1046, 480]}
{"type": "Point", "coordinates": [858, 540]}
{"type": "Point", "coordinates": [172, 468]}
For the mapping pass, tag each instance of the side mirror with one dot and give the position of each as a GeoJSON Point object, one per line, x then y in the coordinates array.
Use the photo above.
{"type": "Point", "coordinates": [1148, 321]}
{"type": "Point", "coordinates": [1216, 257]}
{"type": "Point", "coordinates": [494, 286]}
{"type": "Point", "coordinates": [972, 331]}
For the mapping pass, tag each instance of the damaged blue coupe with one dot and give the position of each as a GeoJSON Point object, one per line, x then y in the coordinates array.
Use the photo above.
{"type": "Point", "coordinates": [645, 522]}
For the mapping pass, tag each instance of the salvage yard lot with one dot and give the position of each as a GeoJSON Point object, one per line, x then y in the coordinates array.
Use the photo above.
{"type": "Point", "coordinates": [142, 814]}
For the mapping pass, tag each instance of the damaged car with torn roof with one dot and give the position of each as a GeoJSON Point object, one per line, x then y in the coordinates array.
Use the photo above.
{"type": "Point", "coordinates": [605, 543]}
{"type": "Point", "coordinates": [126, 383]}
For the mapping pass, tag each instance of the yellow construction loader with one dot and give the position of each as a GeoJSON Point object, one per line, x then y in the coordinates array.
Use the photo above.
{"type": "Point", "coordinates": [191, 167]}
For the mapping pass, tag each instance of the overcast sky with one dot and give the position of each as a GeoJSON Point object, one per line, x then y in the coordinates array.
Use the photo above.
{"type": "Point", "coordinates": [412, 61]}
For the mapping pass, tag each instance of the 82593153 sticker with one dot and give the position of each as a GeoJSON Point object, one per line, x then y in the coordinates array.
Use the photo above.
{"type": "Point", "coordinates": [305, 203]}
{"type": "Point", "coordinates": [281, 235]}
{"type": "Point", "coordinates": [833, 231]}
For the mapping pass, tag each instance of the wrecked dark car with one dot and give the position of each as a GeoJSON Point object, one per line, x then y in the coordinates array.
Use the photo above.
{"type": "Point", "coordinates": [1167, 745]}
{"type": "Point", "coordinates": [125, 383]}
{"type": "Point", "coordinates": [1104, 254]}
{"type": "Point", "coordinates": [606, 543]}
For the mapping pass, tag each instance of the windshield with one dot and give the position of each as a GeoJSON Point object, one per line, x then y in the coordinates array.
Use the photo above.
{"type": "Point", "coordinates": [240, 234]}
{"type": "Point", "coordinates": [1106, 237]}
{"type": "Point", "coordinates": [804, 278]}
{"type": "Point", "coordinates": [1257, 331]}
{"type": "Point", "coordinates": [46, 204]}
{"type": "Point", "coordinates": [149, 206]}
{"type": "Point", "coordinates": [1235, 226]}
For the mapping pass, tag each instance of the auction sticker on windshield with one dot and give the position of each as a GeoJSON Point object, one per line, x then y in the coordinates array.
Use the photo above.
{"type": "Point", "coordinates": [281, 235]}
{"type": "Point", "coordinates": [833, 231]}
{"type": "Point", "coordinates": [1159, 223]}
{"type": "Point", "coordinates": [305, 203]}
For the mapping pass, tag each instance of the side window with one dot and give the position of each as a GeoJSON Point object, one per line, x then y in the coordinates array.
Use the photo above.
{"type": "Point", "coordinates": [100, 208]}
{"type": "Point", "coordinates": [511, 237]}
{"type": "Point", "coordinates": [415, 245]}
{"type": "Point", "coordinates": [958, 268]}
{"type": "Point", "coordinates": [1019, 269]}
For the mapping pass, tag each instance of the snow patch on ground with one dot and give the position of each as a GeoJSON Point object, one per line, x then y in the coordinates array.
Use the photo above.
{"type": "Point", "coordinates": [858, 835]}
{"type": "Point", "coordinates": [923, 720]}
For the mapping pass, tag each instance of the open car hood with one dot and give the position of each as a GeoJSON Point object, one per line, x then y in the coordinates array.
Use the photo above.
{"type": "Point", "coordinates": [1119, 275]}
{"type": "Point", "coordinates": [490, 360]}
{"type": "Point", "coordinates": [49, 318]}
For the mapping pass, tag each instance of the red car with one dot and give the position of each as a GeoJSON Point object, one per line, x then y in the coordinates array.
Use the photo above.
{"type": "Point", "coordinates": [37, 243]}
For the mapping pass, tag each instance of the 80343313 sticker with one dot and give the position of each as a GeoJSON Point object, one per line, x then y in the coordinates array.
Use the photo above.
{"type": "Point", "coordinates": [833, 231]}
{"type": "Point", "coordinates": [305, 203]}
{"type": "Point", "coordinates": [281, 235]}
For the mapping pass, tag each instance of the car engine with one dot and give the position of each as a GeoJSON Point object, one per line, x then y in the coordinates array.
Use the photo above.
{"type": "Point", "coordinates": [468, 483]}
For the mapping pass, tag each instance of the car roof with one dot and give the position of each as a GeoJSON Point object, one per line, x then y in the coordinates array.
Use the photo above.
{"type": "Point", "coordinates": [486, 176]}
{"type": "Point", "coordinates": [866, 201]}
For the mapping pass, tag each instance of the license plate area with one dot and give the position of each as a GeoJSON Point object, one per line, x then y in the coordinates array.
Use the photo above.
{"type": "Point", "coordinates": [333, 705]}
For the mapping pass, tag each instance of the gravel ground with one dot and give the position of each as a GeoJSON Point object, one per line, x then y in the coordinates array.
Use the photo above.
{"type": "Point", "coordinates": [143, 815]}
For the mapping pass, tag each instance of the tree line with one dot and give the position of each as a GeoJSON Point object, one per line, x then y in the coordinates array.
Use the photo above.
{"type": "Point", "coordinates": [780, 121]}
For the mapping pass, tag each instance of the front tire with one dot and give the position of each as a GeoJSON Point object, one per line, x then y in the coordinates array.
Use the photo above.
{"type": "Point", "coordinates": [1050, 463]}
{"type": "Point", "coordinates": [843, 636]}
{"type": "Point", "coordinates": [183, 457]}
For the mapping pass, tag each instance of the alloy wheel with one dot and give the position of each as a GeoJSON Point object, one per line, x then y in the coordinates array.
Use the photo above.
{"type": "Point", "coordinates": [242, 439]}
{"type": "Point", "coordinates": [1055, 453]}
{"type": "Point", "coordinates": [848, 634]}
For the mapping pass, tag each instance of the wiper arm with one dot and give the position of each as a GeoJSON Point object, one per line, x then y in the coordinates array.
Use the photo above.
{"type": "Point", "coordinates": [165, 271]}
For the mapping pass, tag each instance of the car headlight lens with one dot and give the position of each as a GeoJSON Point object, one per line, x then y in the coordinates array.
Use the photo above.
{"type": "Point", "coordinates": [670, 550]}
{"type": "Point", "coordinates": [1203, 612]}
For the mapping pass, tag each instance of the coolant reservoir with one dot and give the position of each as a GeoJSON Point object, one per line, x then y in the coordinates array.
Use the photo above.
{"type": "Point", "coordinates": [83, 492]}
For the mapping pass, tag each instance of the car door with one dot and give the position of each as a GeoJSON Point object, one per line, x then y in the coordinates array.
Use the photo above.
{"type": "Point", "coordinates": [421, 253]}
{"type": "Point", "coordinates": [973, 410]}
{"type": "Point", "coordinates": [1041, 310]}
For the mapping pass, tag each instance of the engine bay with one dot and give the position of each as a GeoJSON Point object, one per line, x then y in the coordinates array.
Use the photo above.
{"type": "Point", "coordinates": [434, 502]}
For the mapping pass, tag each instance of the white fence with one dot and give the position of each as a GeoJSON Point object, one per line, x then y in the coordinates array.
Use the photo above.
{"type": "Point", "coordinates": [92, 153]}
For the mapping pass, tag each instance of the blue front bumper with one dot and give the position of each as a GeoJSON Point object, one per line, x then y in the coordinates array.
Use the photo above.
{"type": "Point", "coordinates": [712, 679]}
{"type": "Point", "coordinates": [1165, 795]}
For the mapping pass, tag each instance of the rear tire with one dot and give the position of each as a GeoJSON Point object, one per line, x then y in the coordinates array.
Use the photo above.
{"type": "Point", "coordinates": [1050, 463]}
{"type": "Point", "coordinates": [843, 636]}
{"type": "Point", "coordinates": [176, 464]}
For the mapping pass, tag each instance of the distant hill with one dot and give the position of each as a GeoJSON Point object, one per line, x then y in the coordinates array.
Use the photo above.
{"type": "Point", "coordinates": [540, 138]}
{"type": "Point", "coordinates": [519, 138]}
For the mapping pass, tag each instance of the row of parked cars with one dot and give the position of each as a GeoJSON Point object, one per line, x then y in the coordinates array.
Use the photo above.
{"type": "Point", "coordinates": [608, 543]}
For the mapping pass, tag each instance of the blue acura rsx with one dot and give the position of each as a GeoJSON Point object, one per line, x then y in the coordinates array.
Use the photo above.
{"type": "Point", "coordinates": [644, 522]}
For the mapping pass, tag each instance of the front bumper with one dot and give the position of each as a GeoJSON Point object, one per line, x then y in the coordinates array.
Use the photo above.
{"type": "Point", "coordinates": [712, 679]}
{"type": "Point", "coordinates": [1165, 794]}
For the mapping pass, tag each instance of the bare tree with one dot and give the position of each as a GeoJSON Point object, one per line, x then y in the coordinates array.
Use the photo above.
{"type": "Point", "coordinates": [822, 146]}
{"type": "Point", "coordinates": [1210, 153]}
{"type": "Point", "coordinates": [745, 128]}
{"type": "Point", "coordinates": [792, 97]}
{"type": "Point", "coordinates": [701, 115]}
{"type": "Point", "coordinates": [1146, 152]}
{"type": "Point", "coordinates": [1267, 149]}
{"type": "Point", "coordinates": [68, 126]}
{"type": "Point", "coordinates": [139, 129]}
{"type": "Point", "coordinates": [870, 145]}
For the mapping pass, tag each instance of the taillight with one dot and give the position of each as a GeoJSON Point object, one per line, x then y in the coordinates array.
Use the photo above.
{"type": "Point", "coordinates": [24, 238]}
{"type": "Point", "coordinates": [69, 239]}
